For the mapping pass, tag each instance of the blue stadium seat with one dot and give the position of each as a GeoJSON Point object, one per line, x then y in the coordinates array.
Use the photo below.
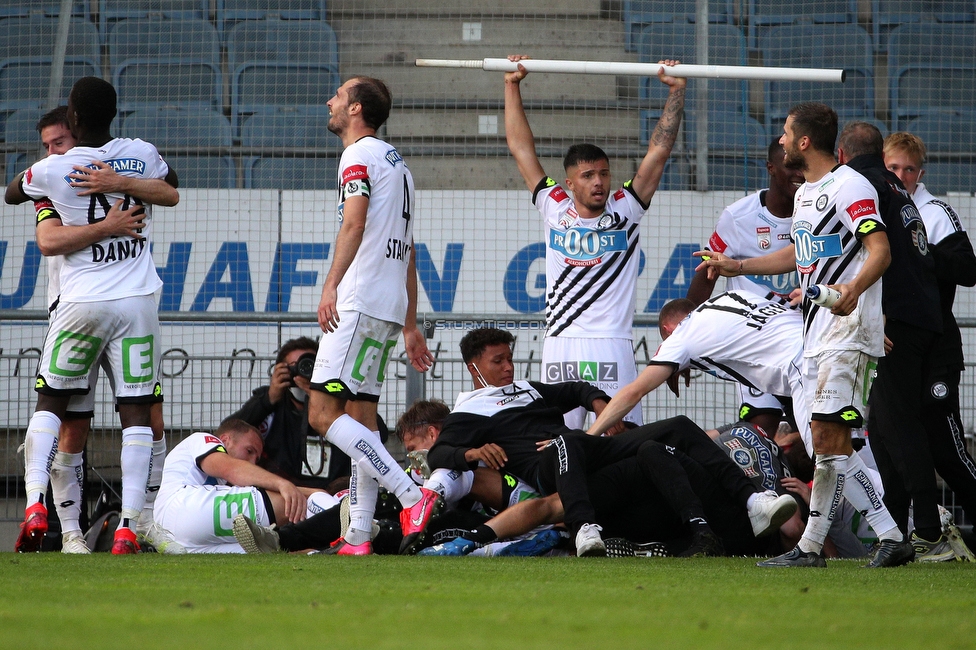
{"type": "Point", "coordinates": [165, 62]}
{"type": "Point", "coordinates": [281, 63]}
{"type": "Point", "coordinates": [676, 176]}
{"type": "Point", "coordinates": [737, 173]}
{"type": "Point", "coordinates": [950, 140]}
{"type": "Point", "coordinates": [819, 46]}
{"type": "Point", "coordinates": [297, 173]}
{"type": "Point", "coordinates": [289, 128]}
{"type": "Point", "coordinates": [25, 59]}
{"type": "Point", "coordinates": [179, 134]}
{"type": "Point", "coordinates": [112, 11]}
{"type": "Point", "coordinates": [766, 14]}
{"type": "Point", "coordinates": [281, 41]}
{"type": "Point", "coordinates": [943, 176]}
{"type": "Point", "coordinates": [638, 14]}
{"type": "Point", "coordinates": [889, 14]}
{"type": "Point", "coordinates": [10, 8]}
{"type": "Point", "coordinates": [677, 40]}
{"type": "Point", "coordinates": [931, 68]}
{"type": "Point", "coordinates": [20, 129]}
{"type": "Point", "coordinates": [230, 12]}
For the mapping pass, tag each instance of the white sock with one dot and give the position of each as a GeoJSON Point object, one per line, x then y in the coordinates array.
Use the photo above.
{"type": "Point", "coordinates": [66, 482]}
{"type": "Point", "coordinates": [363, 492]}
{"type": "Point", "coordinates": [359, 443]}
{"type": "Point", "coordinates": [828, 487]}
{"type": "Point", "coordinates": [860, 491]}
{"type": "Point", "coordinates": [39, 449]}
{"type": "Point", "coordinates": [137, 444]}
{"type": "Point", "coordinates": [450, 484]}
{"type": "Point", "coordinates": [155, 478]}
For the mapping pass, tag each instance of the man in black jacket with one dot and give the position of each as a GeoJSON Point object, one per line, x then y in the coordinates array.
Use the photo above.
{"type": "Point", "coordinates": [292, 449]}
{"type": "Point", "coordinates": [502, 422]}
{"type": "Point", "coordinates": [913, 324]}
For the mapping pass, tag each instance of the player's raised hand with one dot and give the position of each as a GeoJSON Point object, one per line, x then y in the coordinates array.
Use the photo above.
{"type": "Point", "coordinates": [520, 74]}
{"type": "Point", "coordinates": [676, 82]}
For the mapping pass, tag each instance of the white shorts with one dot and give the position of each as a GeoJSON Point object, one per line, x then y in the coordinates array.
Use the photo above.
{"type": "Point", "coordinates": [201, 517]}
{"type": "Point", "coordinates": [83, 406]}
{"type": "Point", "coordinates": [125, 332]}
{"type": "Point", "coordinates": [754, 402]}
{"type": "Point", "coordinates": [837, 384]}
{"type": "Point", "coordinates": [608, 364]}
{"type": "Point", "coordinates": [351, 361]}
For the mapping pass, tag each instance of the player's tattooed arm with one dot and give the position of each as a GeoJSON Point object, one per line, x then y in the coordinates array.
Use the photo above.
{"type": "Point", "coordinates": [648, 175]}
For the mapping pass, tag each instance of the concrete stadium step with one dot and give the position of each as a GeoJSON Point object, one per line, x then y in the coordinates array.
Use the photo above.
{"type": "Point", "coordinates": [587, 123]}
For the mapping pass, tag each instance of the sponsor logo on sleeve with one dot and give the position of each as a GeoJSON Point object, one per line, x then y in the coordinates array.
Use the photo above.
{"type": "Point", "coordinates": [211, 440]}
{"type": "Point", "coordinates": [558, 195]}
{"type": "Point", "coordinates": [354, 173]}
{"type": "Point", "coordinates": [861, 209]}
{"type": "Point", "coordinates": [619, 195]}
{"type": "Point", "coordinates": [716, 243]}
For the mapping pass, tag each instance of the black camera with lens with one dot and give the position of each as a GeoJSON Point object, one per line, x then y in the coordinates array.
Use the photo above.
{"type": "Point", "coordinates": [303, 366]}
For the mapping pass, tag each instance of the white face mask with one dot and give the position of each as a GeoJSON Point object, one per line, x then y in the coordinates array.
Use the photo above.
{"type": "Point", "coordinates": [298, 394]}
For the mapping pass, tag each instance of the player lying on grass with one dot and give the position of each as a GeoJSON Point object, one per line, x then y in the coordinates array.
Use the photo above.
{"type": "Point", "coordinates": [517, 415]}
{"type": "Point", "coordinates": [211, 478]}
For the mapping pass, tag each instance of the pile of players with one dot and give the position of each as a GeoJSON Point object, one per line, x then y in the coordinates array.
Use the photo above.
{"type": "Point", "coordinates": [843, 221]}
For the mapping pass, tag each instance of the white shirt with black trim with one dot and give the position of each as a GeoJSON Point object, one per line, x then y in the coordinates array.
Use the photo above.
{"type": "Point", "coordinates": [747, 229]}
{"type": "Point", "coordinates": [591, 264]}
{"type": "Point", "coordinates": [115, 267]}
{"type": "Point", "coordinates": [829, 218]}
{"type": "Point", "coordinates": [375, 283]}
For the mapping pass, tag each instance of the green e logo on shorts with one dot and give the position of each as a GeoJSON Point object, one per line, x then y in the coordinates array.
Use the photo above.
{"type": "Point", "coordinates": [137, 356]}
{"type": "Point", "coordinates": [228, 506]}
{"type": "Point", "coordinates": [73, 354]}
{"type": "Point", "coordinates": [370, 349]}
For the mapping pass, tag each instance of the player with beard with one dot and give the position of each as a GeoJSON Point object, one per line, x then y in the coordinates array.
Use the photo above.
{"type": "Point", "coordinates": [838, 240]}
{"type": "Point", "coordinates": [369, 296]}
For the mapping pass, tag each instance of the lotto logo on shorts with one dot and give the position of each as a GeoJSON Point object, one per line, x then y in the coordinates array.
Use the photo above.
{"type": "Point", "coordinates": [591, 371]}
{"type": "Point", "coordinates": [228, 506]}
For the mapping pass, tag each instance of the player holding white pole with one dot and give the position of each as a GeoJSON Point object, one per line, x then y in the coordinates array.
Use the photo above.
{"type": "Point", "coordinates": [838, 240]}
{"type": "Point", "coordinates": [106, 305]}
{"type": "Point", "coordinates": [592, 246]}
{"type": "Point", "coordinates": [368, 297]}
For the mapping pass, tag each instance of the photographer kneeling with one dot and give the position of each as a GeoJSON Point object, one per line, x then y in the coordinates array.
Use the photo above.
{"type": "Point", "coordinates": [292, 449]}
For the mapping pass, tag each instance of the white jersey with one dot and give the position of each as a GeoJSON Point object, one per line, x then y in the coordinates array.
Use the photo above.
{"type": "Point", "coordinates": [182, 465]}
{"type": "Point", "coordinates": [375, 283]}
{"type": "Point", "coordinates": [829, 218]}
{"type": "Point", "coordinates": [115, 267]}
{"type": "Point", "coordinates": [739, 336]}
{"type": "Point", "coordinates": [591, 264]}
{"type": "Point", "coordinates": [748, 229]}
{"type": "Point", "coordinates": [938, 216]}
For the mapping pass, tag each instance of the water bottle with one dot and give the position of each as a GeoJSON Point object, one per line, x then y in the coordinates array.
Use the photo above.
{"type": "Point", "coordinates": [823, 295]}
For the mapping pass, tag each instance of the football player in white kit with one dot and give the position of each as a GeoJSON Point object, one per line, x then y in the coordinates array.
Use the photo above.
{"type": "Point", "coordinates": [753, 226]}
{"type": "Point", "coordinates": [66, 469]}
{"type": "Point", "coordinates": [209, 479]}
{"type": "Point", "coordinates": [592, 246]}
{"type": "Point", "coordinates": [106, 305]}
{"type": "Point", "coordinates": [838, 240]}
{"type": "Point", "coordinates": [739, 336]}
{"type": "Point", "coordinates": [368, 297]}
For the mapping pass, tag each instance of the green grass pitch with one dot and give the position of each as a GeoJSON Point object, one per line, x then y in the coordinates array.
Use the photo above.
{"type": "Point", "coordinates": [291, 601]}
